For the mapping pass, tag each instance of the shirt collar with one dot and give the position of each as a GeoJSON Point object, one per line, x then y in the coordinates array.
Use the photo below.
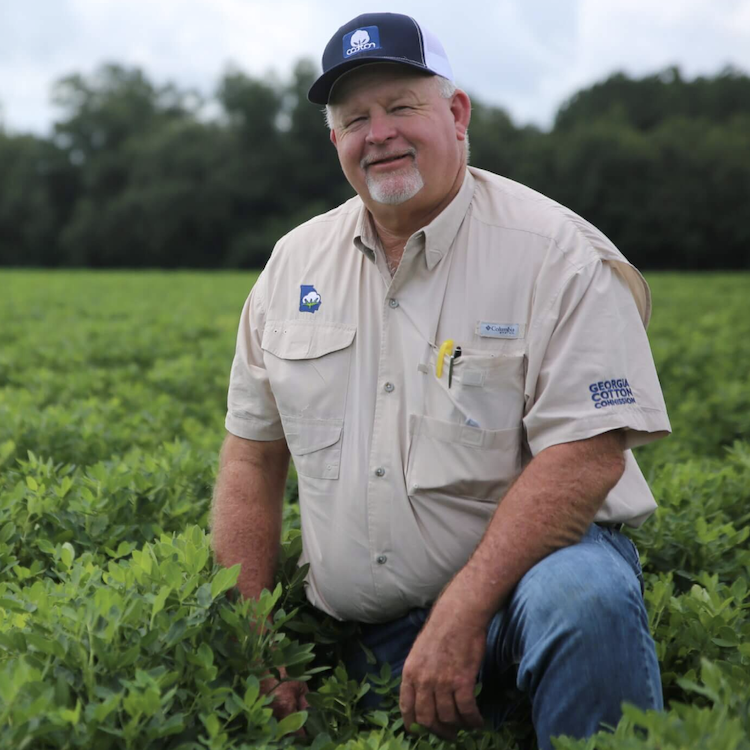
{"type": "Point", "coordinates": [437, 237]}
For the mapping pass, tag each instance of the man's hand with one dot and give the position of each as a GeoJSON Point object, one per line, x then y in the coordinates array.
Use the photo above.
{"type": "Point", "coordinates": [438, 679]}
{"type": "Point", "coordinates": [288, 697]}
{"type": "Point", "coordinates": [550, 506]}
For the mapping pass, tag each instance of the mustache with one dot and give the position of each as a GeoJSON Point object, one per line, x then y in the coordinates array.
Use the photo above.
{"type": "Point", "coordinates": [372, 158]}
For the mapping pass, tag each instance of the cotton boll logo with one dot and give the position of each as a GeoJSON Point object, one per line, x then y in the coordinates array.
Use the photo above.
{"type": "Point", "coordinates": [361, 40]}
{"type": "Point", "coordinates": [309, 299]}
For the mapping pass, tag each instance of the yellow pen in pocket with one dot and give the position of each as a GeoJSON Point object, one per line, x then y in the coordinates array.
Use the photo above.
{"type": "Point", "coordinates": [445, 348]}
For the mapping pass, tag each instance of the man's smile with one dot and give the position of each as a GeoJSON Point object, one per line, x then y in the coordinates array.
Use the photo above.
{"type": "Point", "coordinates": [386, 161]}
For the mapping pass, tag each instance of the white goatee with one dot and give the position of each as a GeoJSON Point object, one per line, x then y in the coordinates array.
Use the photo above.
{"type": "Point", "coordinates": [394, 188]}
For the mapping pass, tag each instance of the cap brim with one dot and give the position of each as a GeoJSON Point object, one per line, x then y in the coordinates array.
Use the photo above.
{"type": "Point", "coordinates": [320, 91]}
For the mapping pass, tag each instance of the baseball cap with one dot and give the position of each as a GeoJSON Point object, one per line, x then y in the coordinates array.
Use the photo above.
{"type": "Point", "coordinates": [379, 37]}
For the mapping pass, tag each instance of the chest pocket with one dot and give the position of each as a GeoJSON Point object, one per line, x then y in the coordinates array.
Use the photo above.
{"type": "Point", "coordinates": [308, 364]}
{"type": "Point", "coordinates": [487, 388]}
{"type": "Point", "coordinates": [467, 444]}
{"type": "Point", "coordinates": [451, 463]}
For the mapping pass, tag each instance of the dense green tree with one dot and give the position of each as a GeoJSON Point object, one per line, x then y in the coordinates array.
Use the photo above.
{"type": "Point", "coordinates": [137, 174]}
{"type": "Point", "coordinates": [105, 119]}
{"type": "Point", "coordinates": [38, 191]}
{"type": "Point", "coordinates": [253, 112]}
{"type": "Point", "coordinates": [646, 102]}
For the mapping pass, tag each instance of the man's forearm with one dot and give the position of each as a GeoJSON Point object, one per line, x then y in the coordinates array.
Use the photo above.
{"type": "Point", "coordinates": [247, 510]}
{"type": "Point", "coordinates": [550, 506]}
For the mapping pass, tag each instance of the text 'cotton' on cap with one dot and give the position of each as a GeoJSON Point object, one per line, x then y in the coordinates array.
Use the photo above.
{"type": "Point", "coordinates": [379, 37]}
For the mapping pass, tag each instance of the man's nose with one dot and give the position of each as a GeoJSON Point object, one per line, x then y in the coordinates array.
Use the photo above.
{"type": "Point", "coordinates": [381, 129]}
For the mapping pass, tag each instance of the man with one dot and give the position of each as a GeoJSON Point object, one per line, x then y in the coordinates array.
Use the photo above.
{"type": "Point", "coordinates": [459, 367]}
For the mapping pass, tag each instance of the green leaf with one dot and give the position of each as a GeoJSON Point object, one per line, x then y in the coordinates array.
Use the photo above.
{"type": "Point", "coordinates": [16, 605]}
{"type": "Point", "coordinates": [67, 554]}
{"type": "Point", "coordinates": [7, 449]}
{"type": "Point", "coordinates": [70, 716]}
{"type": "Point", "coordinates": [722, 643]}
{"type": "Point", "coordinates": [203, 595]}
{"type": "Point", "coordinates": [99, 712]}
{"type": "Point", "coordinates": [224, 580]}
{"type": "Point", "coordinates": [45, 546]}
{"type": "Point", "coordinates": [369, 655]}
{"type": "Point", "coordinates": [322, 741]}
{"type": "Point", "coordinates": [291, 723]}
{"type": "Point", "coordinates": [173, 725]}
{"type": "Point", "coordinates": [379, 719]}
{"type": "Point", "coordinates": [7, 531]}
{"type": "Point", "coordinates": [252, 692]}
{"type": "Point", "coordinates": [159, 601]}
{"type": "Point", "coordinates": [31, 483]}
{"type": "Point", "coordinates": [46, 645]}
{"type": "Point", "coordinates": [211, 723]}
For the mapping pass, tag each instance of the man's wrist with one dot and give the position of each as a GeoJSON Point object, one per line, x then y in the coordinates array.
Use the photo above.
{"type": "Point", "coordinates": [469, 598]}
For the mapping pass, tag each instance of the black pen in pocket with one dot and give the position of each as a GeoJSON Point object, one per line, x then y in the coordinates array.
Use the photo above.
{"type": "Point", "coordinates": [456, 354]}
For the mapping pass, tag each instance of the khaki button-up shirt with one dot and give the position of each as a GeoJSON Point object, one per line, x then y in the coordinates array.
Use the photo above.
{"type": "Point", "coordinates": [402, 455]}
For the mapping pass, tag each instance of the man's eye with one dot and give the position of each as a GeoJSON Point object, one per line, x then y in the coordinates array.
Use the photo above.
{"type": "Point", "coordinates": [354, 121]}
{"type": "Point", "coordinates": [401, 107]}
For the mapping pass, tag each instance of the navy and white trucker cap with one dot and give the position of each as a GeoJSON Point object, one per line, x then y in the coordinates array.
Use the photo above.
{"type": "Point", "coordinates": [379, 37]}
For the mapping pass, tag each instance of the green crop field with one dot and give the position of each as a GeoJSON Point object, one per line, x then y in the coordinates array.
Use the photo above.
{"type": "Point", "coordinates": [117, 630]}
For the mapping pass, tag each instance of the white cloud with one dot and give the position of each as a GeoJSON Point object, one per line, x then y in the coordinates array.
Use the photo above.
{"type": "Point", "coordinates": [527, 55]}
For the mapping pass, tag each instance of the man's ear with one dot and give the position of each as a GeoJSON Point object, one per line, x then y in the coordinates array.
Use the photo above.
{"type": "Point", "coordinates": [332, 135]}
{"type": "Point", "coordinates": [461, 109]}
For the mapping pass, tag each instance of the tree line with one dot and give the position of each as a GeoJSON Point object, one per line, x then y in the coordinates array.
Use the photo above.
{"type": "Point", "coordinates": [140, 175]}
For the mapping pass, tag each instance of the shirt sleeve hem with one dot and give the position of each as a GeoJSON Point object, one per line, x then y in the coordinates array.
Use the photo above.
{"type": "Point", "coordinates": [253, 429]}
{"type": "Point", "coordinates": [641, 426]}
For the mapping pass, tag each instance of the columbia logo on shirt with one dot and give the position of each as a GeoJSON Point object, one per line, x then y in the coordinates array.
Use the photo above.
{"type": "Point", "coordinates": [499, 330]}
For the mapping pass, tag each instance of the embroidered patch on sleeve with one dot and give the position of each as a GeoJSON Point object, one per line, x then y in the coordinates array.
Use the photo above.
{"type": "Point", "coordinates": [615, 392]}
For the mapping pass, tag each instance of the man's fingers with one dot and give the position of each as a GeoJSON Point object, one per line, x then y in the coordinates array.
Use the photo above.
{"type": "Point", "coordinates": [285, 699]}
{"type": "Point", "coordinates": [406, 704]}
{"type": "Point", "coordinates": [442, 713]}
{"type": "Point", "coordinates": [424, 706]}
{"type": "Point", "coordinates": [302, 700]}
{"type": "Point", "coordinates": [447, 712]}
{"type": "Point", "coordinates": [466, 704]}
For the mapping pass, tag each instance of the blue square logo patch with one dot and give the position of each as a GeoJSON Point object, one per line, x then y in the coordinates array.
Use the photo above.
{"type": "Point", "coordinates": [309, 299]}
{"type": "Point", "coordinates": [361, 40]}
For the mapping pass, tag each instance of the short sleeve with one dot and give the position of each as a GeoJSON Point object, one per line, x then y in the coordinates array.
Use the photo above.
{"type": "Point", "coordinates": [251, 407]}
{"type": "Point", "coordinates": [590, 368]}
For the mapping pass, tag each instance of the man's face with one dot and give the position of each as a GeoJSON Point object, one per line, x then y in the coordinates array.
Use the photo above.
{"type": "Point", "coordinates": [397, 138]}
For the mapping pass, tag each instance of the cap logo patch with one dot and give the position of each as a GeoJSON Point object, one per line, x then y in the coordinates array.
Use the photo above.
{"type": "Point", "coordinates": [309, 299]}
{"type": "Point", "coordinates": [363, 39]}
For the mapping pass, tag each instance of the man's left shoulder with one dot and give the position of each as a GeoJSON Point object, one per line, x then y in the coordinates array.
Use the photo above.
{"type": "Point", "coordinates": [569, 239]}
{"type": "Point", "coordinates": [507, 204]}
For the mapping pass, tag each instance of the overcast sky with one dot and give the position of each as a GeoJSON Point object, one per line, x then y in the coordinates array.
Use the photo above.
{"type": "Point", "coordinates": [526, 55]}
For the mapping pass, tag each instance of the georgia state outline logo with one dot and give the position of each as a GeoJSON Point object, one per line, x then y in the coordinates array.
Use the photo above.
{"type": "Point", "coordinates": [309, 299]}
{"type": "Point", "coordinates": [361, 40]}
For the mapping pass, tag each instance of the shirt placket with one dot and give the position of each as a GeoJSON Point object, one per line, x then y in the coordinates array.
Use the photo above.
{"type": "Point", "coordinates": [386, 482]}
{"type": "Point", "coordinates": [384, 465]}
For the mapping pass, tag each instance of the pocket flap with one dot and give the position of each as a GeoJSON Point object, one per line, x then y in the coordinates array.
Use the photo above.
{"type": "Point", "coordinates": [449, 432]}
{"type": "Point", "coordinates": [300, 339]}
{"type": "Point", "coordinates": [305, 435]}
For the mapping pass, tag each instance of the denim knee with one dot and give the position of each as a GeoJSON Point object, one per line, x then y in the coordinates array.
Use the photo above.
{"type": "Point", "coordinates": [588, 590]}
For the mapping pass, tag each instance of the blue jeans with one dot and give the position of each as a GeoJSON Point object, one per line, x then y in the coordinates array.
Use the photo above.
{"type": "Point", "coordinates": [573, 640]}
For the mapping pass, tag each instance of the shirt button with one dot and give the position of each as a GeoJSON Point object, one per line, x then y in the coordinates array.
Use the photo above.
{"type": "Point", "coordinates": [388, 387]}
{"type": "Point", "coordinates": [380, 471]}
{"type": "Point", "coordinates": [382, 559]}
{"type": "Point", "coordinates": [393, 303]}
